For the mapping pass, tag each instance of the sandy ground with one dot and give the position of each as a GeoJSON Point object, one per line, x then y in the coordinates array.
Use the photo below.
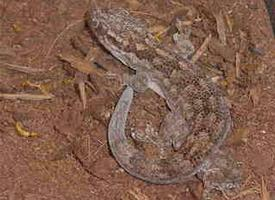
{"type": "Point", "coordinates": [69, 158]}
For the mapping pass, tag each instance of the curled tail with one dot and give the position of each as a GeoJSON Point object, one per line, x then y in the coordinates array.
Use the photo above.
{"type": "Point", "coordinates": [172, 169]}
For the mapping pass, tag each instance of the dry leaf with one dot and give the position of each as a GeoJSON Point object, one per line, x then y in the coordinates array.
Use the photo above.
{"type": "Point", "coordinates": [239, 136]}
{"type": "Point", "coordinates": [79, 64]}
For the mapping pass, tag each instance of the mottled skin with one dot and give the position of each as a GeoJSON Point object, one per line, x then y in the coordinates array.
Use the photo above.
{"type": "Point", "coordinates": [198, 121]}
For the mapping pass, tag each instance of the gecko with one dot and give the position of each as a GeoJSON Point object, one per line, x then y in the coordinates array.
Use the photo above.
{"type": "Point", "coordinates": [198, 121]}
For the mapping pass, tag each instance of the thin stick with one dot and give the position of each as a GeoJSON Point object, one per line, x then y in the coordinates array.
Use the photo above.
{"type": "Point", "coordinates": [202, 49]}
{"type": "Point", "coordinates": [221, 27]}
{"type": "Point", "coordinates": [60, 35]}
{"type": "Point", "coordinates": [238, 63]}
{"type": "Point", "coordinates": [82, 93]}
{"type": "Point", "coordinates": [25, 96]}
{"type": "Point", "coordinates": [24, 69]}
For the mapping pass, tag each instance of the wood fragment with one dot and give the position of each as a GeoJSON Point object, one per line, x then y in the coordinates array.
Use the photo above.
{"type": "Point", "coordinates": [221, 27]}
{"type": "Point", "coordinates": [229, 22]}
{"type": "Point", "coordinates": [82, 93]}
{"type": "Point", "coordinates": [20, 68]}
{"type": "Point", "coordinates": [238, 65]}
{"type": "Point", "coordinates": [202, 49]}
{"type": "Point", "coordinates": [25, 96]}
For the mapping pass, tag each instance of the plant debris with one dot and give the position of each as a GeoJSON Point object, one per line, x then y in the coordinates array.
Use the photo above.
{"type": "Point", "coordinates": [19, 68]}
{"type": "Point", "coordinates": [221, 27]}
{"type": "Point", "coordinates": [264, 192]}
{"type": "Point", "coordinates": [21, 131]}
{"type": "Point", "coordinates": [26, 96]}
{"type": "Point", "coordinates": [202, 49]}
{"type": "Point", "coordinates": [138, 195]}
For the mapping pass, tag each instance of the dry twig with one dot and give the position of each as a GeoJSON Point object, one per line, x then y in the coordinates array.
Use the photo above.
{"type": "Point", "coordinates": [82, 92]}
{"type": "Point", "coordinates": [238, 64]}
{"type": "Point", "coordinates": [19, 68]}
{"type": "Point", "coordinates": [61, 34]}
{"type": "Point", "coordinates": [25, 96]}
{"type": "Point", "coordinates": [221, 27]}
{"type": "Point", "coordinates": [202, 49]}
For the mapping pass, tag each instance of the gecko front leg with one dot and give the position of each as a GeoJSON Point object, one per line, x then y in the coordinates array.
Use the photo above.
{"type": "Point", "coordinates": [145, 79]}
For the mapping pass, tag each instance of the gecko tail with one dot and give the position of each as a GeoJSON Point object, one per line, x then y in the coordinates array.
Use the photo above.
{"type": "Point", "coordinates": [133, 161]}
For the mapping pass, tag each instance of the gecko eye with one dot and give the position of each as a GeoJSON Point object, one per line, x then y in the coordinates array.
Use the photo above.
{"type": "Point", "coordinates": [94, 22]}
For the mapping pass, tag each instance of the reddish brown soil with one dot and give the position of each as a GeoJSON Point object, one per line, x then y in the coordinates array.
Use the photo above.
{"type": "Point", "coordinates": [70, 158]}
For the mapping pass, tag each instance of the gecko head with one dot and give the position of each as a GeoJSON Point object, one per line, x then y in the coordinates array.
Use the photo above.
{"type": "Point", "coordinates": [115, 21]}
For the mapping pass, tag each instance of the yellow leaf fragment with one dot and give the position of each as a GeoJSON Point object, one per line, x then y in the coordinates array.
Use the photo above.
{"type": "Point", "coordinates": [159, 31]}
{"type": "Point", "coordinates": [43, 88]}
{"type": "Point", "coordinates": [16, 28]}
{"type": "Point", "coordinates": [22, 132]}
